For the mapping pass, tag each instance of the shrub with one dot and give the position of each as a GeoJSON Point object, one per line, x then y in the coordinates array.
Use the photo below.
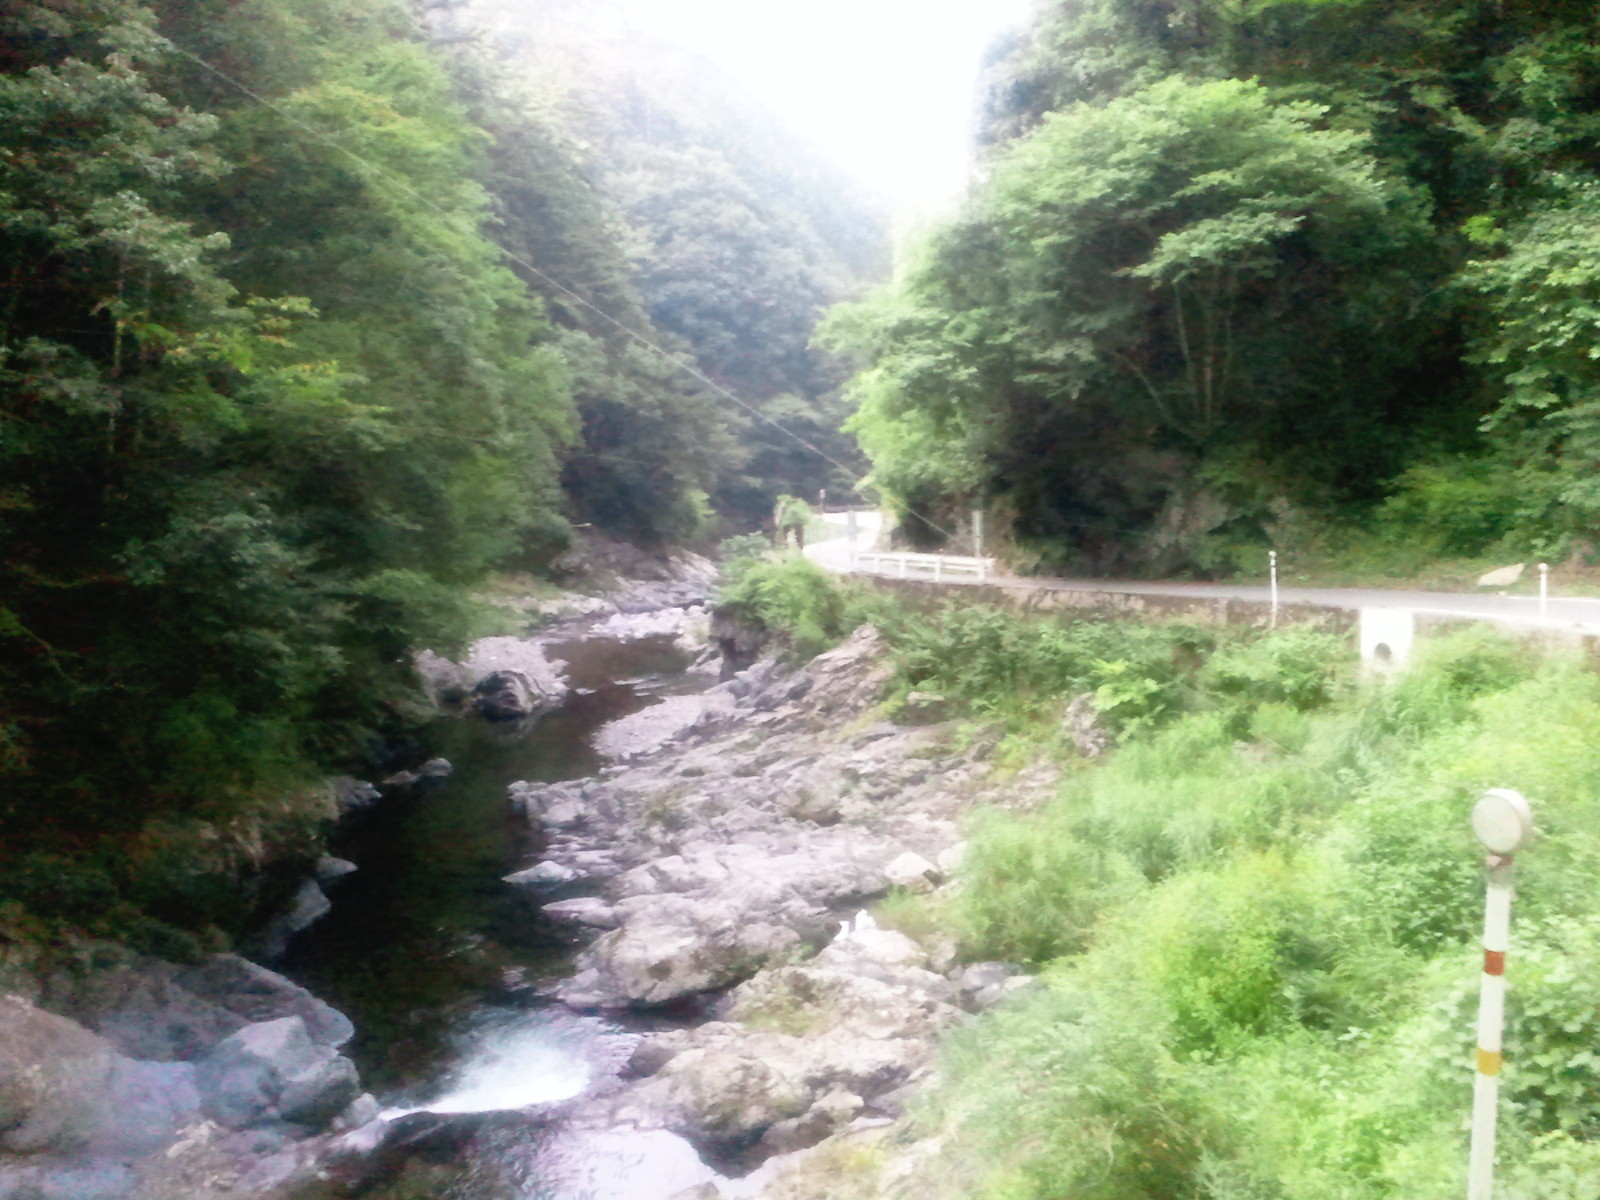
{"type": "Point", "coordinates": [1001, 663]}
{"type": "Point", "coordinates": [1299, 667]}
{"type": "Point", "coordinates": [737, 555]}
{"type": "Point", "coordinates": [794, 600]}
{"type": "Point", "coordinates": [1034, 891]}
{"type": "Point", "coordinates": [1459, 507]}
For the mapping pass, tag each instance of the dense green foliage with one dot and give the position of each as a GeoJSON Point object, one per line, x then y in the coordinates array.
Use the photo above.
{"type": "Point", "coordinates": [263, 411]}
{"type": "Point", "coordinates": [1257, 931]}
{"type": "Point", "coordinates": [791, 600]}
{"type": "Point", "coordinates": [312, 318]}
{"type": "Point", "coordinates": [1256, 921]}
{"type": "Point", "coordinates": [1249, 273]}
{"type": "Point", "coordinates": [738, 237]}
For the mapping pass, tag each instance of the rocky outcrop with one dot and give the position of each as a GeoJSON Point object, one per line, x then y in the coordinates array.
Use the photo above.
{"type": "Point", "coordinates": [773, 803]}
{"type": "Point", "coordinates": [151, 1009]}
{"type": "Point", "coordinates": [503, 678]}
{"type": "Point", "coordinates": [729, 852]}
{"type": "Point", "coordinates": [634, 580]}
{"type": "Point", "coordinates": [805, 1050]}
{"type": "Point", "coordinates": [169, 1081]}
{"type": "Point", "coordinates": [272, 1071]}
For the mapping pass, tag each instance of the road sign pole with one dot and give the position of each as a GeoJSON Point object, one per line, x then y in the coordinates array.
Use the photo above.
{"type": "Point", "coordinates": [1272, 561]}
{"type": "Point", "coordinates": [1544, 590]}
{"type": "Point", "coordinates": [1503, 823]}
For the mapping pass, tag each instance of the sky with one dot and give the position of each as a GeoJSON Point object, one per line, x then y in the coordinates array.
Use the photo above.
{"type": "Point", "coordinates": [886, 87]}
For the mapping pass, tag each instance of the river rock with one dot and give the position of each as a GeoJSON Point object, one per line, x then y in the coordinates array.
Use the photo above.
{"type": "Point", "coordinates": [329, 868]}
{"type": "Point", "coordinates": [729, 856]}
{"type": "Point", "coordinates": [912, 872]}
{"type": "Point", "coordinates": [275, 1071]}
{"type": "Point", "coordinates": [827, 1115]}
{"type": "Point", "coordinates": [588, 911]}
{"type": "Point", "coordinates": [688, 627]}
{"type": "Point", "coordinates": [635, 580]}
{"type": "Point", "coordinates": [436, 768]}
{"type": "Point", "coordinates": [65, 1091]}
{"type": "Point", "coordinates": [505, 678]}
{"type": "Point", "coordinates": [544, 874]}
{"type": "Point", "coordinates": [151, 1009]}
{"type": "Point", "coordinates": [308, 905]}
{"type": "Point", "coordinates": [351, 794]}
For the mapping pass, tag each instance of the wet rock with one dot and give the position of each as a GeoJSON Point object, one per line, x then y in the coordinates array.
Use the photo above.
{"type": "Point", "coordinates": [156, 1010]}
{"type": "Point", "coordinates": [435, 768]}
{"type": "Point", "coordinates": [274, 1071]}
{"type": "Point", "coordinates": [649, 1056]}
{"type": "Point", "coordinates": [66, 1091]}
{"type": "Point", "coordinates": [508, 696]}
{"type": "Point", "coordinates": [329, 868]}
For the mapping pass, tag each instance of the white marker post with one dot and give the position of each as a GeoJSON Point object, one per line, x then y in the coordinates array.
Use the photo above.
{"type": "Point", "coordinates": [1504, 823]}
{"type": "Point", "coordinates": [977, 533]}
{"type": "Point", "coordinates": [1272, 561]}
{"type": "Point", "coordinates": [1544, 590]}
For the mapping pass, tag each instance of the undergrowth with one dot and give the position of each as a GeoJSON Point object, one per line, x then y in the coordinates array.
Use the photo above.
{"type": "Point", "coordinates": [1258, 927]}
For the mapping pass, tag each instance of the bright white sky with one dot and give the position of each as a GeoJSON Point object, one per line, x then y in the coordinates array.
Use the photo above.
{"type": "Point", "coordinates": [884, 86]}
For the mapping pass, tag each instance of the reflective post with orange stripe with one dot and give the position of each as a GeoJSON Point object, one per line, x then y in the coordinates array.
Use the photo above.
{"type": "Point", "coordinates": [1503, 823]}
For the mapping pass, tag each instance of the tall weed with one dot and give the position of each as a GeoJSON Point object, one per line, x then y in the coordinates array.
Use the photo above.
{"type": "Point", "coordinates": [1259, 924]}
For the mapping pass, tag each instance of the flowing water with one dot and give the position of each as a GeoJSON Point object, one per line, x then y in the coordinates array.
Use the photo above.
{"type": "Point", "coordinates": [429, 952]}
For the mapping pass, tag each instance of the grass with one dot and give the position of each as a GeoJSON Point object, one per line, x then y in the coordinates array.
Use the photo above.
{"type": "Point", "coordinates": [1257, 923]}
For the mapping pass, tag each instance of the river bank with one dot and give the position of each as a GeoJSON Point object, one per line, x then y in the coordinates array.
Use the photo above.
{"type": "Point", "coordinates": [643, 971]}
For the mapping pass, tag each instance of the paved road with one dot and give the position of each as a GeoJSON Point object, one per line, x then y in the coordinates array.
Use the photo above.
{"type": "Point", "coordinates": [1573, 613]}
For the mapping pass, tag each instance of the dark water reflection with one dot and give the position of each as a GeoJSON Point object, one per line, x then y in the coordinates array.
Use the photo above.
{"type": "Point", "coordinates": [426, 932]}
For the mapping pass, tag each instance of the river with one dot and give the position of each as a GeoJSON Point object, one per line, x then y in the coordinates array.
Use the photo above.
{"type": "Point", "coordinates": [432, 955]}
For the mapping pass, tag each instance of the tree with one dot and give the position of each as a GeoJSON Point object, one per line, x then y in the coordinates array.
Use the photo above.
{"type": "Point", "coordinates": [1141, 287]}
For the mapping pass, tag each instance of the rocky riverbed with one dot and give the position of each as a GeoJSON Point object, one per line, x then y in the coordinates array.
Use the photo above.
{"type": "Point", "coordinates": [714, 880]}
{"type": "Point", "coordinates": [726, 861]}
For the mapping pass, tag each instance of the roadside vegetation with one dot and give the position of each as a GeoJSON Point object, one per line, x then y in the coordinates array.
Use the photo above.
{"type": "Point", "coordinates": [1255, 920]}
{"type": "Point", "coordinates": [1316, 275]}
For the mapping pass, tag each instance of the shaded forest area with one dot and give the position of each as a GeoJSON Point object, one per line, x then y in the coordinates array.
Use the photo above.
{"type": "Point", "coordinates": [273, 400]}
{"type": "Point", "coordinates": [1318, 274]}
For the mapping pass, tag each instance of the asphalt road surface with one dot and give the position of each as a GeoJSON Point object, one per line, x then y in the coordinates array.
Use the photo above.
{"type": "Point", "coordinates": [1581, 614]}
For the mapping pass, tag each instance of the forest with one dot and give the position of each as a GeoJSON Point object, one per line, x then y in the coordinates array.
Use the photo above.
{"type": "Point", "coordinates": [317, 313]}
{"type": "Point", "coordinates": [1246, 273]}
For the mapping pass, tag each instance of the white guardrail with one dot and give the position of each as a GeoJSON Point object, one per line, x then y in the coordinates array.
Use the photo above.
{"type": "Point", "coordinates": [922, 566]}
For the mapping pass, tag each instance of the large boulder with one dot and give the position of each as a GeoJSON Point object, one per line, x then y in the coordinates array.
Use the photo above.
{"type": "Point", "coordinates": [275, 1071]}
{"type": "Point", "coordinates": [671, 946]}
{"type": "Point", "coordinates": [505, 678]}
{"type": "Point", "coordinates": [151, 1009]}
{"type": "Point", "coordinates": [66, 1091]}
